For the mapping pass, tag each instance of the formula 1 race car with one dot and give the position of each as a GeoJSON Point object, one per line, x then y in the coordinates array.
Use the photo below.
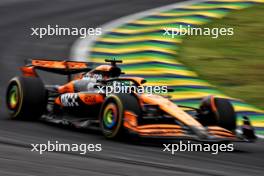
{"type": "Point", "coordinates": [83, 103]}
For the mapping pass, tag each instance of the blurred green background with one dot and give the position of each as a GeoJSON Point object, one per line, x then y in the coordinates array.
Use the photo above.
{"type": "Point", "coordinates": [235, 64]}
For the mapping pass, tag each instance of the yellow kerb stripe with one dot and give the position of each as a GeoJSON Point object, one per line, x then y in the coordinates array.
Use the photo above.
{"type": "Point", "coordinates": [161, 72]}
{"type": "Point", "coordinates": [139, 60]}
{"type": "Point", "coordinates": [141, 39]}
{"type": "Point", "coordinates": [131, 50]}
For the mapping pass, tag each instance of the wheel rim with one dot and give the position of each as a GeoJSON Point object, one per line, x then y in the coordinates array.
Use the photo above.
{"type": "Point", "coordinates": [13, 97]}
{"type": "Point", "coordinates": [110, 116]}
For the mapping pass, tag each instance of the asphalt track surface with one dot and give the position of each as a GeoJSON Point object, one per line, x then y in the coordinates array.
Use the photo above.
{"type": "Point", "coordinates": [117, 158]}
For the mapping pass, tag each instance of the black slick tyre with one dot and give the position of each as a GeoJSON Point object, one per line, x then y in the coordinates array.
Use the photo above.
{"type": "Point", "coordinates": [220, 112]}
{"type": "Point", "coordinates": [112, 114]}
{"type": "Point", "coordinates": [26, 98]}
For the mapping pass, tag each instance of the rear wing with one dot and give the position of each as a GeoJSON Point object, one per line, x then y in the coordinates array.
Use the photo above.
{"type": "Point", "coordinates": [54, 66]}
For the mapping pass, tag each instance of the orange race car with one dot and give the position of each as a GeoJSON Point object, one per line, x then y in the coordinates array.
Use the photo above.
{"type": "Point", "coordinates": [84, 102]}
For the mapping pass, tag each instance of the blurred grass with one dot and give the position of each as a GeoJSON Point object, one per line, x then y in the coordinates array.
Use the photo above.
{"type": "Point", "coordinates": [235, 64]}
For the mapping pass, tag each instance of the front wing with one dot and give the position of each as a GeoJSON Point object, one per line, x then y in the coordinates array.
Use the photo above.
{"type": "Point", "coordinates": [174, 131]}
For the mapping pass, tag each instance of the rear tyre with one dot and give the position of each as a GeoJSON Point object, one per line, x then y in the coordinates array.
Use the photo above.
{"type": "Point", "coordinates": [112, 114]}
{"type": "Point", "coordinates": [222, 112]}
{"type": "Point", "coordinates": [26, 98]}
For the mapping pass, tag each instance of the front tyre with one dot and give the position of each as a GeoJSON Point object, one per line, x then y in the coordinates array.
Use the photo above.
{"type": "Point", "coordinates": [111, 117]}
{"type": "Point", "coordinates": [219, 111]}
{"type": "Point", "coordinates": [112, 114]}
{"type": "Point", "coordinates": [26, 98]}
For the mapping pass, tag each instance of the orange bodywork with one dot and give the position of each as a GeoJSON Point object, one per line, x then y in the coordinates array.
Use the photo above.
{"type": "Point", "coordinates": [29, 71]}
{"type": "Point", "coordinates": [59, 64]}
{"type": "Point", "coordinates": [220, 132]}
{"type": "Point", "coordinates": [168, 130]}
{"type": "Point", "coordinates": [172, 109]}
{"type": "Point", "coordinates": [130, 122]}
{"type": "Point", "coordinates": [104, 68]}
{"type": "Point", "coordinates": [86, 98]}
{"type": "Point", "coordinates": [67, 88]}
{"type": "Point", "coordinates": [58, 101]}
{"type": "Point", "coordinates": [91, 99]}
